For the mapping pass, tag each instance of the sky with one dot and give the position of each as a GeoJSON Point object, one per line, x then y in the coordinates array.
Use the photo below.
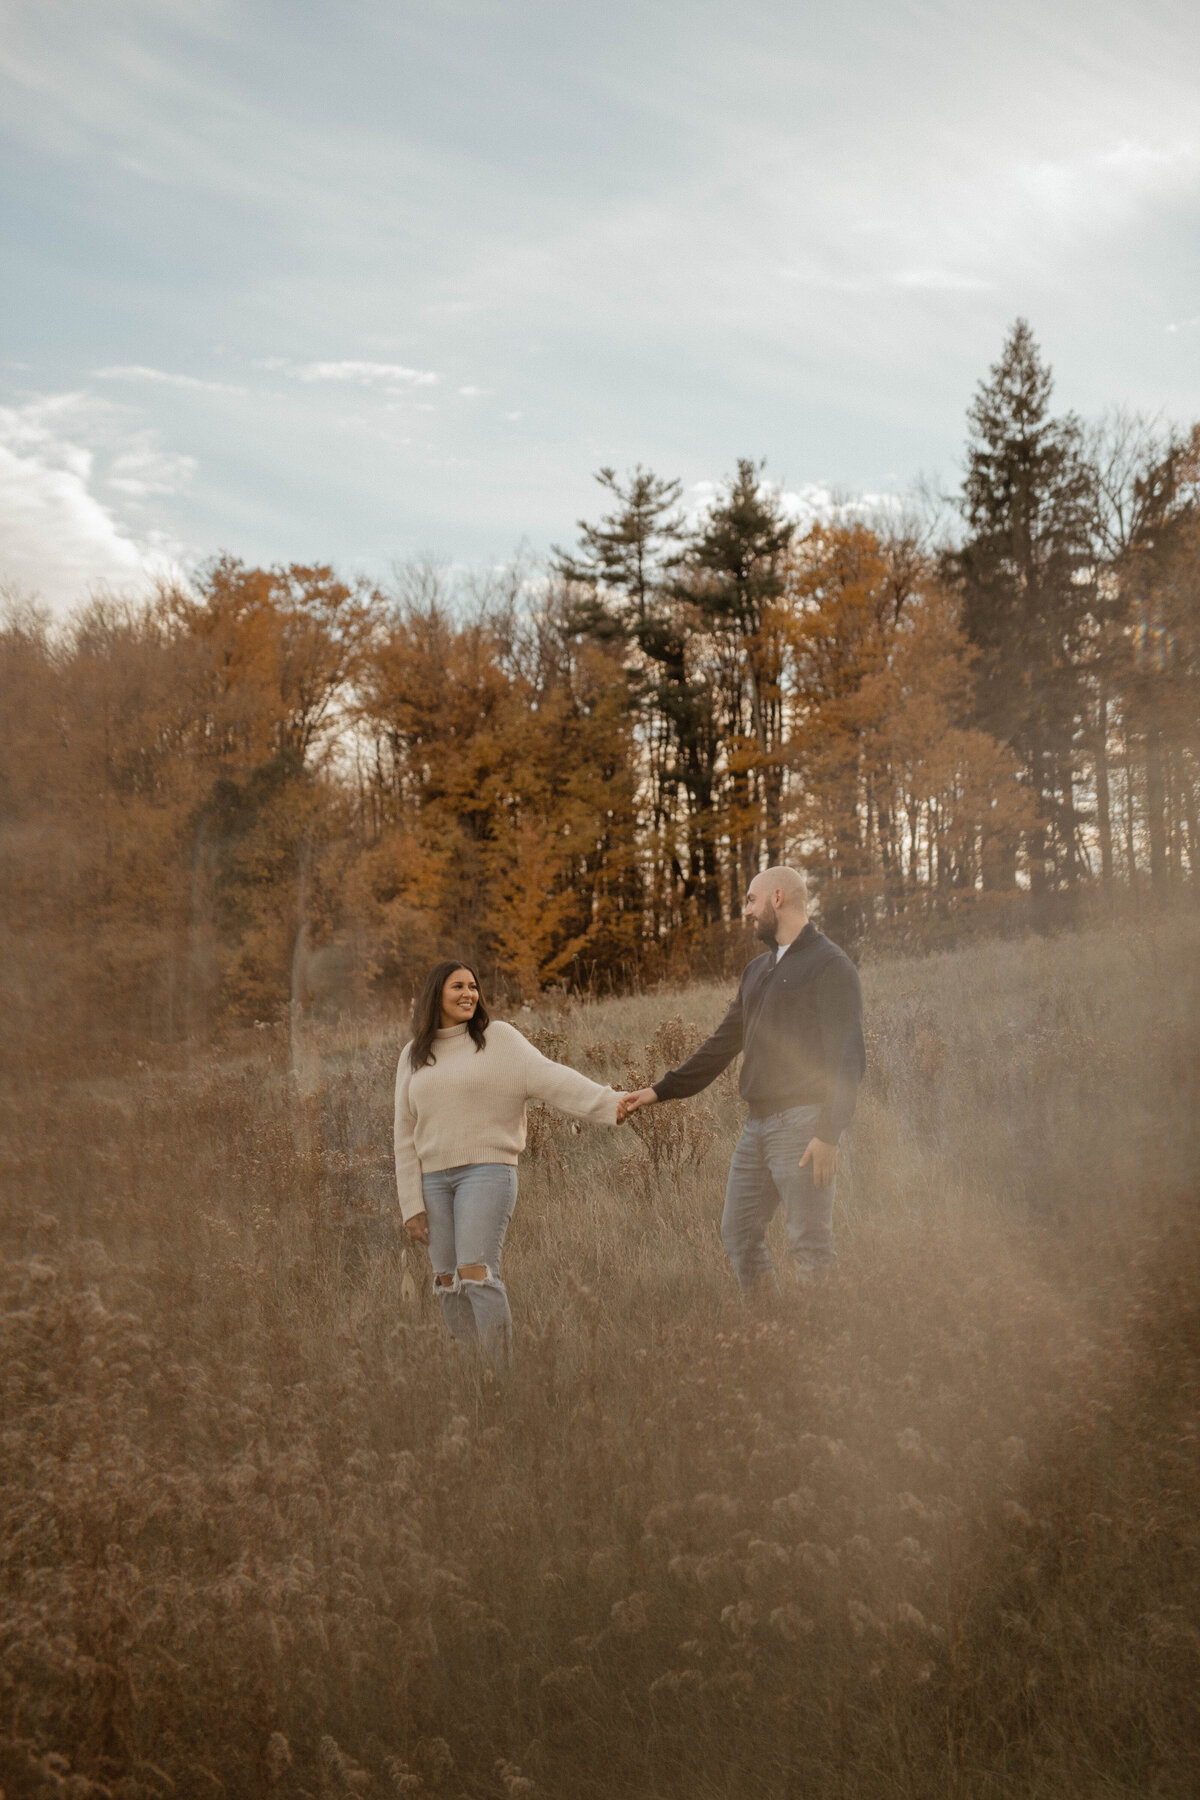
{"type": "Point", "coordinates": [385, 279]}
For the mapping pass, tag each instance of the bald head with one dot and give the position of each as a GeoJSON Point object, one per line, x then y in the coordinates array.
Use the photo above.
{"type": "Point", "coordinates": [777, 904]}
{"type": "Point", "coordinates": [786, 886]}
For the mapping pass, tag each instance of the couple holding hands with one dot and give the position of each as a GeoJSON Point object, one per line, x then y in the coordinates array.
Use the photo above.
{"type": "Point", "coordinates": [463, 1082]}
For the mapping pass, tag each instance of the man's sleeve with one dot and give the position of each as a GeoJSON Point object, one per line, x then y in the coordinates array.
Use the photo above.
{"type": "Point", "coordinates": [705, 1064]}
{"type": "Point", "coordinates": [839, 1004]}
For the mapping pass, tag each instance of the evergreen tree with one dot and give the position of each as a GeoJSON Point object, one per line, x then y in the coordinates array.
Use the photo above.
{"type": "Point", "coordinates": [1158, 580]}
{"type": "Point", "coordinates": [623, 589]}
{"type": "Point", "coordinates": [737, 578]}
{"type": "Point", "coordinates": [624, 560]}
{"type": "Point", "coordinates": [1027, 589]}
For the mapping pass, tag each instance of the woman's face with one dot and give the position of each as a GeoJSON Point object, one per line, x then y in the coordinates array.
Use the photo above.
{"type": "Point", "coordinates": [460, 997]}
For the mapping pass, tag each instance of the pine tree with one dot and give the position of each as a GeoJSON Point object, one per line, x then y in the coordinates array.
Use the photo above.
{"type": "Point", "coordinates": [1027, 589]}
{"type": "Point", "coordinates": [737, 579]}
{"type": "Point", "coordinates": [1158, 581]}
{"type": "Point", "coordinates": [623, 561]}
{"type": "Point", "coordinates": [622, 588]}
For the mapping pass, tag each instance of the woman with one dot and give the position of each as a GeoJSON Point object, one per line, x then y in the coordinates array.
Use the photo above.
{"type": "Point", "coordinates": [461, 1088]}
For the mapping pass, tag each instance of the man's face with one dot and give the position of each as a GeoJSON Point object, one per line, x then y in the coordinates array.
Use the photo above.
{"type": "Point", "coordinates": [760, 912]}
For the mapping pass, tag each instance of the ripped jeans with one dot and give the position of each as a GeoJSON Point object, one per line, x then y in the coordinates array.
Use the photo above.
{"type": "Point", "coordinates": [468, 1209]}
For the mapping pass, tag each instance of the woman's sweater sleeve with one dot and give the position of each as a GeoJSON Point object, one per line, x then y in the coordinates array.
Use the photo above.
{"type": "Point", "coordinates": [408, 1164]}
{"type": "Point", "coordinates": [566, 1088]}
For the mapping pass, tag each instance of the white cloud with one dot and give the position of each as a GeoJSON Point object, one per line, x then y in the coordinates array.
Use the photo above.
{"type": "Point", "coordinates": [1107, 185]}
{"type": "Point", "coordinates": [810, 503]}
{"type": "Point", "coordinates": [939, 281]}
{"type": "Point", "coordinates": [139, 372]}
{"type": "Point", "coordinates": [1146, 159]}
{"type": "Point", "coordinates": [58, 539]}
{"type": "Point", "coordinates": [365, 374]}
{"type": "Point", "coordinates": [150, 471]}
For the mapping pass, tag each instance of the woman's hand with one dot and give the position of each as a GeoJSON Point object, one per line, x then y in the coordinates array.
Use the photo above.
{"type": "Point", "coordinates": [634, 1102]}
{"type": "Point", "coordinates": [418, 1228]}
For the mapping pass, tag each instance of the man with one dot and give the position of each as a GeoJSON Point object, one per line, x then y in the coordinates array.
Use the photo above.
{"type": "Point", "coordinates": [797, 1018]}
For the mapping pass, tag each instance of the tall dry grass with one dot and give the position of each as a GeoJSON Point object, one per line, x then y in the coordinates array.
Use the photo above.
{"type": "Point", "coordinates": [931, 1531]}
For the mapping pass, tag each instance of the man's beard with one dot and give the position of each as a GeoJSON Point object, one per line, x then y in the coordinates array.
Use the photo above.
{"type": "Point", "coordinates": [766, 926]}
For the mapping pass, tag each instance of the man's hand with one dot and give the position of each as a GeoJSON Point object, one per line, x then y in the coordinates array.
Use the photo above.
{"type": "Point", "coordinates": [823, 1158]}
{"type": "Point", "coordinates": [418, 1228]}
{"type": "Point", "coordinates": [631, 1103]}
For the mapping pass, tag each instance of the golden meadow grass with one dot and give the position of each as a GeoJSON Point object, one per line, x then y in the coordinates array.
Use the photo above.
{"type": "Point", "coordinates": [931, 1531]}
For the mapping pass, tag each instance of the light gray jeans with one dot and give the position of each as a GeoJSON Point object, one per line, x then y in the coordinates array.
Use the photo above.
{"type": "Point", "coordinates": [468, 1209]}
{"type": "Point", "coordinates": [765, 1170]}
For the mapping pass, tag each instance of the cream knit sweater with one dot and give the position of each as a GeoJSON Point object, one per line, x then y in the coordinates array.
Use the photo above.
{"type": "Point", "coordinates": [469, 1105]}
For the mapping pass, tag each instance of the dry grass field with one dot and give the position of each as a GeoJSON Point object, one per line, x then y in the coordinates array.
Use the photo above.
{"type": "Point", "coordinates": [931, 1531]}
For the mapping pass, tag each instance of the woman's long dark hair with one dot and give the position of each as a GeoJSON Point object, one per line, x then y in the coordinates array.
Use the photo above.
{"type": "Point", "coordinates": [427, 1013]}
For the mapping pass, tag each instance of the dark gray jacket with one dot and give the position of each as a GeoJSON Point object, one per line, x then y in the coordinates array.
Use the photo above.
{"type": "Point", "coordinates": [798, 1022]}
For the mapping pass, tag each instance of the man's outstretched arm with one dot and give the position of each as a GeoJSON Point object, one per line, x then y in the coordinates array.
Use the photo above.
{"type": "Point", "coordinates": [702, 1066]}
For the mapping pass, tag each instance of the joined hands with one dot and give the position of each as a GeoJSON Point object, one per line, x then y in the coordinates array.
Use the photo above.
{"type": "Point", "coordinates": [633, 1102]}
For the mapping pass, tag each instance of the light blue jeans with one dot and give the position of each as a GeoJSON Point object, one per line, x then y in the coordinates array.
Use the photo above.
{"type": "Point", "coordinates": [468, 1209]}
{"type": "Point", "coordinates": [764, 1171]}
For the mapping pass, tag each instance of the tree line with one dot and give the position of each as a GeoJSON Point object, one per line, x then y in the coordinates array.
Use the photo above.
{"type": "Point", "coordinates": [276, 780]}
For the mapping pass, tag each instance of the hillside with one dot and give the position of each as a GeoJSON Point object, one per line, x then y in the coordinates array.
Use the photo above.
{"type": "Point", "coordinates": [930, 1531]}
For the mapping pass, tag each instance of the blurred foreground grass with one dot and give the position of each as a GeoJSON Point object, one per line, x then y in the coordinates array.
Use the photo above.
{"type": "Point", "coordinates": [933, 1531]}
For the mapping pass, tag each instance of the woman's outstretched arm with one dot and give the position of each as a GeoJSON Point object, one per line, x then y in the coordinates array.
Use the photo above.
{"type": "Point", "coordinates": [565, 1088]}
